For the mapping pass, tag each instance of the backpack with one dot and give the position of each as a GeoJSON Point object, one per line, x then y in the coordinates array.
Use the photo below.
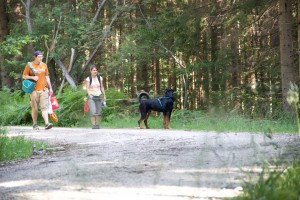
{"type": "Point", "coordinates": [90, 77]}
{"type": "Point", "coordinates": [27, 84]}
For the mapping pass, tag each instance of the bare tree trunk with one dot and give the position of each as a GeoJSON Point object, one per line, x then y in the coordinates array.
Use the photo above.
{"type": "Point", "coordinates": [66, 73]}
{"type": "Point", "coordinates": [286, 51]}
{"type": "Point", "coordinates": [4, 31]}
{"type": "Point", "coordinates": [27, 14]}
{"type": "Point", "coordinates": [157, 75]}
{"type": "Point", "coordinates": [70, 67]}
{"type": "Point", "coordinates": [100, 6]}
{"type": "Point", "coordinates": [298, 13]}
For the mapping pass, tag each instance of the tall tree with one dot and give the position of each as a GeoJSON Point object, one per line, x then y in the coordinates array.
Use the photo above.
{"type": "Point", "coordinates": [286, 48]}
{"type": "Point", "coordinates": [4, 31]}
{"type": "Point", "coordinates": [298, 13]}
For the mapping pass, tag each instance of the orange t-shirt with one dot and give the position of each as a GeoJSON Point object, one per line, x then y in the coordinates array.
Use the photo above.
{"type": "Point", "coordinates": [41, 72]}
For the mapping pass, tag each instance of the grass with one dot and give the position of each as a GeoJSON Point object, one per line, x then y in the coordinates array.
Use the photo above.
{"type": "Point", "coordinates": [124, 114]}
{"type": "Point", "coordinates": [276, 184]}
{"type": "Point", "coordinates": [196, 120]}
{"type": "Point", "coordinates": [16, 148]}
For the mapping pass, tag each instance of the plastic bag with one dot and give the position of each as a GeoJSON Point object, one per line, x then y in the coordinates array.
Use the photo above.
{"type": "Point", "coordinates": [53, 116]}
{"type": "Point", "coordinates": [54, 102]}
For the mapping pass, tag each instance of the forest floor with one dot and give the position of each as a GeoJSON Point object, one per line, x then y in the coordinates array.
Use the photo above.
{"type": "Point", "coordinates": [139, 164]}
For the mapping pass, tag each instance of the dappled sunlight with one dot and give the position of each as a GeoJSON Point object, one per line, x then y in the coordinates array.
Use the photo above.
{"type": "Point", "coordinates": [220, 170]}
{"type": "Point", "coordinates": [21, 183]}
{"type": "Point", "coordinates": [141, 193]}
{"type": "Point", "coordinates": [97, 163]}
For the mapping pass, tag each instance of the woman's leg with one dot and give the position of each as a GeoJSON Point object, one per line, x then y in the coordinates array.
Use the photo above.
{"type": "Point", "coordinates": [93, 120]}
{"type": "Point", "coordinates": [98, 120]}
{"type": "Point", "coordinates": [98, 112]}
{"type": "Point", "coordinates": [92, 110]}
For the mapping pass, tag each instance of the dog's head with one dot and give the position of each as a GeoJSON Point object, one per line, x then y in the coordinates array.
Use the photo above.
{"type": "Point", "coordinates": [170, 93]}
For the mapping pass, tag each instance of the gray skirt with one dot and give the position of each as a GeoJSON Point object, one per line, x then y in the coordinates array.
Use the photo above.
{"type": "Point", "coordinates": [95, 107]}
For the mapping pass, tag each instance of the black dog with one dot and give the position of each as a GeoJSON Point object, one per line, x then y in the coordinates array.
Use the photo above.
{"type": "Point", "coordinates": [164, 104]}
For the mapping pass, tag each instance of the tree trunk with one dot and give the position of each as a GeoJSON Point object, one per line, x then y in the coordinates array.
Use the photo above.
{"type": "Point", "coordinates": [66, 74]}
{"type": "Point", "coordinates": [286, 51]}
{"type": "Point", "coordinates": [298, 13]}
{"type": "Point", "coordinates": [27, 15]}
{"type": "Point", "coordinates": [157, 76]}
{"type": "Point", "coordinates": [4, 31]}
{"type": "Point", "coordinates": [215, 80]}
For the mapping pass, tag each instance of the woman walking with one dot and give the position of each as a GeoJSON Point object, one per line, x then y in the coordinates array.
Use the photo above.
{"type": "Point", "coordinates": [96, 95]}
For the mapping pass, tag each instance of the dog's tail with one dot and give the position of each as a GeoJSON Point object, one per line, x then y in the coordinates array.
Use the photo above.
{"type": "Point", "coordinates": [143, 95]}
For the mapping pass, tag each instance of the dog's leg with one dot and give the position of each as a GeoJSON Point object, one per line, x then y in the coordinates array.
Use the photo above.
{"type": "Point", "coordinates": [165, 118]}
{"type": "Point", "coordinates": [168, 118]}
{"type": "Point", "coordinates": [143, 112]}
{"type": "Point", "coordinates": [168, 122]}
{"type": "Point", "coordinates": [146, 119]}
{"type": "Point", "coordinates": [140, 125]}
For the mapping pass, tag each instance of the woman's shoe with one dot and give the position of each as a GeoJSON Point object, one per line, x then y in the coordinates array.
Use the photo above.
{"type": "Point", "coordinates": [35, 127]}
{"type": "Point", "coordinates": [95, 127]}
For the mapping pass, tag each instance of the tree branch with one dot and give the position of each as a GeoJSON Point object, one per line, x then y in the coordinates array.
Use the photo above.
{"type": "Point", "coordinates": [98, 11]}
{"type": "Point", "coordinates": [66, 73]}
{"type": "Point", "coordinates": [69, 69]}
{"type": "Point", "coordinates": [106, 32]}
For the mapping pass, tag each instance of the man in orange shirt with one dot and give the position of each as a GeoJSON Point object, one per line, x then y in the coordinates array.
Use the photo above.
{"type": "Point", "coordinates": [40, 95]}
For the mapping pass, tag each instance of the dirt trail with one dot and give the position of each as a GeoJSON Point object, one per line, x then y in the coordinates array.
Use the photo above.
{"type": "Point", "coordinates": [138, 164]}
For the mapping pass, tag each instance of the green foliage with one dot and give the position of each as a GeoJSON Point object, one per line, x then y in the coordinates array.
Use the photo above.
{"type": "Point", "coordinates": [17, 147]}
{"type": "Point", "coordinates": [17, 109]}
{"type": "Point", "coordinates": [71, 107]}
{"type": "Point", "coordinates": [274, 184]}
{"type": "Point", "coordinates": [123, 112]}
{"type": "Point", "coordinates": [116, 102]}
{"type": "Point", "coordinates": [13, 45]}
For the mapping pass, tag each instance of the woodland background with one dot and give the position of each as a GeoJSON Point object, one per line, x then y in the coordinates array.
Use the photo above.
{"type": "Point", "coordinates": [235, 55]}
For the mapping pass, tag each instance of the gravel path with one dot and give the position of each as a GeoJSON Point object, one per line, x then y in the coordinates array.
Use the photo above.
{"type": "Point", "coordinates": [138, 164]}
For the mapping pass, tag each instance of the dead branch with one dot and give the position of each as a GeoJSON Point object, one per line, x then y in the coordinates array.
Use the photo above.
{"type": "Point", "coordinates": [69, 69]}
{"type": "Point", "coordinates": [106, 32]}
{"type": "Point", "coordinates": [98, 11]}
{"type": "Point", "coordinates": [66, 73]}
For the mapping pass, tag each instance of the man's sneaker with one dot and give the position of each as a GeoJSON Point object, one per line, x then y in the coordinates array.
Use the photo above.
{"type": "Point", "coordinates": [35, 127]}
{"type": "Point", "coordinates": [48, 126]}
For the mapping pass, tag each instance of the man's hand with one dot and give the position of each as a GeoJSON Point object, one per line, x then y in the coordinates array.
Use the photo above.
{"type": "Point", "coordinates": [35, 78]}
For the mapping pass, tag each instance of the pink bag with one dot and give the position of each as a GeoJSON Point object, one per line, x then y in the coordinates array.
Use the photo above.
{"type": "Point", "coordinates": [54, 102]}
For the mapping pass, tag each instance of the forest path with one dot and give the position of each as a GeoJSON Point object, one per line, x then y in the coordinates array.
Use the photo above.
{"type": "Point", "coordinates": [138, 164]}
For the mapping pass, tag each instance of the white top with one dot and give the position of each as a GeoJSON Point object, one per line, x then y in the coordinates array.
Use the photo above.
{"type": "Point", "coordinates": [94, 88]}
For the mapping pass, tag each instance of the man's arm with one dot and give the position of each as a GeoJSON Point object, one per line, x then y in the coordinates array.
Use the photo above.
{"type": "Point", "coordinates": [49, 84]}
{"type": "Point", "coordinates": [27, 76]}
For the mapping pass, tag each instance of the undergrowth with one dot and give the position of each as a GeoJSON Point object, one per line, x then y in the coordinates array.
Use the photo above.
{"type": "Point", "coordinates": [17, 147]}
{"type": "Point", "coordinates": [122, 112]}
{"type": "Point", "coordinates": [275, 184]}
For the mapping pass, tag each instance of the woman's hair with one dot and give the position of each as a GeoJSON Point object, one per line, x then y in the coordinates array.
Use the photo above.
{"type": "Point", "coordinates": [92, 67]}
